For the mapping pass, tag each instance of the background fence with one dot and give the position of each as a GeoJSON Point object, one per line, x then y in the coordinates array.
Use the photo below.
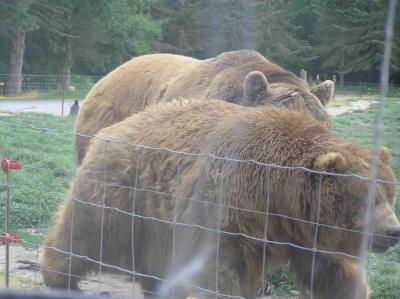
{"type": "Point", "coordinates": [51, 91]}
{"type": "Point", "coordinates": [50, 86]}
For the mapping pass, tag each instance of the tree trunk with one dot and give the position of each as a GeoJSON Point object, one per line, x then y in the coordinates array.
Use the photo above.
{"type": "Point", "coordinates": [67, 65]}
{"type": "Point", "coordinates": [68, 57]}
{"type": "Point", "coordinates": [341, 73]}
{"type": "Point", "coordinates": [303, 75]}
{"type": "Point", "coordinates": [66, 77]}
{"type": "Point", "coordinates": [17, 50]}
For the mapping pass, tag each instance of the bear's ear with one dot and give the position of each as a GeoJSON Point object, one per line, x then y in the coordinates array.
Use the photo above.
{"type": "Point", "coordinates": [330, 162]}
{"type": "Point", "coordinates": [324, 92]}
{"type": "Point", "coordinates": [384, 154]}
{"type": "Point", "coordinates": [255, 87]}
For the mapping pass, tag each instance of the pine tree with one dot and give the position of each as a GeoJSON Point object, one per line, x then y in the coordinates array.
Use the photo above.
{"type": "Point", "coordinates": [350, 36]}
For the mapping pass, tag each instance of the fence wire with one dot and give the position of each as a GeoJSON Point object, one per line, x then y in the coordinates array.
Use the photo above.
{"type": "Point", "coordinates": [214, 232]}
{"type": "Point", "coordinates": [37, 90]}
{"type": "Point", "coordinates": [135, 191]}
{"type": "Point", "coordinates": [369, 218]}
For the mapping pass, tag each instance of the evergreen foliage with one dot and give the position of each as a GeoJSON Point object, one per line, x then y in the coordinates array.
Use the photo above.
{"type": "Point", "coordinates": [94, 36]}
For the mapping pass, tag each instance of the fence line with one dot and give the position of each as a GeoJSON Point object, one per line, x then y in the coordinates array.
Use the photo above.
{"type": "Point", "coordinates": [53, 87]}
{"type": "Point", "coordinates": [369, 220]}
{"type": "Point", "coordinates": [174, 223]}
{"type": "Point", "coordinates": [218, 205]}
{"type": "Point", "coordinates": [141, 146]}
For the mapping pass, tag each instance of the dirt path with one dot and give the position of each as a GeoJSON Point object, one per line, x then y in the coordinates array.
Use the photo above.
{"type": "Point", "coordinates": [54, 106]}
{"type": "Point", "coordinates": [350, 107]}
{"type": "Point", "coordinates": [23, 275]}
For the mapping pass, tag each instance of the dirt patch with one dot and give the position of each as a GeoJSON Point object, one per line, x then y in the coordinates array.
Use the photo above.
{"type": "Point", "coordinates": [52, 106]}
{"type": "Point", "coordinates": [5, 113]}
{"type": "Point", "coordinates": [350, 107]}
{"type": "Point", "coordinates": [24, 275]}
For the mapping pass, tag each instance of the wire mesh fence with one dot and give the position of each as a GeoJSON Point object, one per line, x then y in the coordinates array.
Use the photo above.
{"type": "Point", "coordinates": [175, 231]}
{"type": "Point", "coordinates": [49, 86]}
{"type": "Point", "coordinates": [51, 90]}
{"type": "Point", "coordinates": [40, 186]}
{"type": "Point", "coordinates": [53, 87]}
{"type": "Point", "coordinates": [180, 218]}
{"type": "Point", "coordinates": [48, 169]}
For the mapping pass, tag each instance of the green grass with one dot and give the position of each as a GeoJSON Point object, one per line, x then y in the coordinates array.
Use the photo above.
{"type": "Point", "coordinates": [79, 93]}
{"type": "Point", "coordinates": [45, 177]}
{"type": "Point", "coordinates": [281, 283]}
{"type": "Point", "coordinates": [48, 157]}
{"type": "Point", "coordinates": [359, 126]}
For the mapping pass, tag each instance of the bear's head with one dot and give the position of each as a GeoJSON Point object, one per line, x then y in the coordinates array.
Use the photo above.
{"type": "Point", "coordinates": [258, 91]}
{"type": "Point", "coordinates": [344, 200]}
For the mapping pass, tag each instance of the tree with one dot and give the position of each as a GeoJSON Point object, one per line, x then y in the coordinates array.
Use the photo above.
{"type": "Point", "coordinates": [92, 35]}
{"type": "Point", "coordinates": [19, 17]}
{"type": "Point", "coordinates": [207, 28]}
{"type": "Point", "coordinates": [107, 33]}
{"type": "Point", "coordinates": [16, 18]}
{"type": "Point", "coordinates": [350, 36]}
{"type": "Point", "coordinates": [279, 34]}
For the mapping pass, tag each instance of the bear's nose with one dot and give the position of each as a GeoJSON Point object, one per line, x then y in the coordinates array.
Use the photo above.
{"type": "Point", "coordinates": [394, 236]}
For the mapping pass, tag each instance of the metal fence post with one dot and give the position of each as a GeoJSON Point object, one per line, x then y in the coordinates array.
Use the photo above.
{"type": "Point", "coordinates": [63, 97]}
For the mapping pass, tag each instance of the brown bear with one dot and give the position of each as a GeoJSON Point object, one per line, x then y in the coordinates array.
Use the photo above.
{"type": "Point", "coordinates": [206, 195]}
{"type": "Point", "coordinates": [243, 77]}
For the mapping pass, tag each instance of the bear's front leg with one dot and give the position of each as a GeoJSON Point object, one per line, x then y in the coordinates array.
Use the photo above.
{"type": "Point", "coordinates": [239, 268]}
{"type": "Point", "coordinates": [62, 267]}
{"type": "Point", "coordinates": [335, 277]}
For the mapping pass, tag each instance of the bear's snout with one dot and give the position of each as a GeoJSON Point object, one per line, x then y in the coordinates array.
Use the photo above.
{"type": "Point", "coordinates": [393, 236]}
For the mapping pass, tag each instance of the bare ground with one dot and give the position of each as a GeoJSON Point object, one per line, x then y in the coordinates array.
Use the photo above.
{"type": "Point", "coordinates": [339, 106]}
{"type": "Point", "coordinates": [24, 275]}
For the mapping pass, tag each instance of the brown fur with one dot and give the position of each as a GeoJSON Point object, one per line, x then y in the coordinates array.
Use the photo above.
{"type": "Point", "coordinates": [185, 183]}
{"type": "Point", "coordinates": [156, 78]}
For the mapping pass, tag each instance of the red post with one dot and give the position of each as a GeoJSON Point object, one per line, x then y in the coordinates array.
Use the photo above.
{"type": "Point", "coordinates": [6, 166]}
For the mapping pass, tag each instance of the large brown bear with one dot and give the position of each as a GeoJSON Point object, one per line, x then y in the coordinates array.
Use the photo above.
{"type": "Point", "coordinates": [243, 77]}
{"type": "Point", "coordinates": [195, 211]}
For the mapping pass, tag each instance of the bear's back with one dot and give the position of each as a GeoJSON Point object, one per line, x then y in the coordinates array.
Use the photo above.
{"type": "Point", "coordinates": [222, 77]}
{"type": "Point", "coordinates": [157, 78]}
{"type": "Point", "coordinates": [218, 127]}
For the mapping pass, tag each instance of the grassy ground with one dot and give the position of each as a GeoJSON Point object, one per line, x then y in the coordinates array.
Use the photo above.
{"type": "Point", "coordinates": [48, 157]}
{"type": "Point", "coordinates": [383, 270]}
